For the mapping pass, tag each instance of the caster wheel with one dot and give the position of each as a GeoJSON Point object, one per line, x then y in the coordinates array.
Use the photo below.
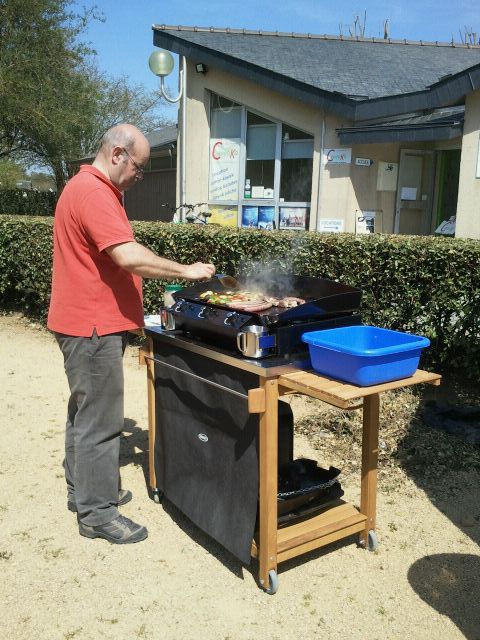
{"type": "Point", "coordinates": [372, 542]}
{"type": "Point", "coordinates": [272, 582]}
{"type": "Point", "coordinates": [157, 496]}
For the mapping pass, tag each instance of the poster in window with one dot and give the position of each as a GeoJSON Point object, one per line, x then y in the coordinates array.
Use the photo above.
{"type": "Point", "coordinates": [250, 216]}
{"type": "Point", "coordinates": [224, 169]}
{"type": "Point", "coordinates": [225, 216]}
{"type": "Point", "coordinates": [293, 218]}
{"type": "Point", "coordinates": [266, 218]}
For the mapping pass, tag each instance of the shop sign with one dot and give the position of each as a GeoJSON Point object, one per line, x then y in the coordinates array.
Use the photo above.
{"type": "Point", "coordinates": [328, 225]}
{"type": "Point", "coordinates": [363, 162]}
{"type": "Point", "coordinates": [338, 156]}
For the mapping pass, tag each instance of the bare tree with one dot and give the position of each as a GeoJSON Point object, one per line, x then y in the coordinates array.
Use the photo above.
{"type": "Point", "coordinates": [469, 36]}
{"type": "Point", "coordinates": [358, 26]}
{"type": "Point", "coordinates": [358, 29]}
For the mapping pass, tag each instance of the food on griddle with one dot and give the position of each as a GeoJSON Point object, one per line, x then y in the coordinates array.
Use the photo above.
{"type": "Point", "coordinates": [250, 306]}
{"type": "Point", "coordinates": [250, 301]}
{"type": "Point", "coordinates": [291, 301]}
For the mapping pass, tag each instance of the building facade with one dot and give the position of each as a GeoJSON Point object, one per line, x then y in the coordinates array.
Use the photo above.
{"type": "Point", "coordinates": [293, 131]}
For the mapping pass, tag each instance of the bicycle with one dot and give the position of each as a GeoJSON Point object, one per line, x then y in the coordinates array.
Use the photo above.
{"type": "Point", "coordinates": [191, 216]}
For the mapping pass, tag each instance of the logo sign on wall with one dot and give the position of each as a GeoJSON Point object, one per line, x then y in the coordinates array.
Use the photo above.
{"type": "Point", "coordinates": [338, 156]}
{"type": "Point", "coordinates": [224, 168]}
{"type": "Point", "coordinates": [330, 225]}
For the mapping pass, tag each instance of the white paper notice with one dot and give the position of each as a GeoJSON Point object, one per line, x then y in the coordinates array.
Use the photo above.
{"type": "Point", "coordinates": [365, 222]}
{"type": "Point", "coordinates": [258, 192]}
{"type": "Point", "coordinates": [408, 193]}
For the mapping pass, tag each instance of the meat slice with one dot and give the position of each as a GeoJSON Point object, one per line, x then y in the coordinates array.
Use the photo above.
{"type": "Point", "coordinates": [250, 307]}
{"type": "Point", "coordinates": [275, 301]}
{"type": "Point", "coordinates": [290, 301]}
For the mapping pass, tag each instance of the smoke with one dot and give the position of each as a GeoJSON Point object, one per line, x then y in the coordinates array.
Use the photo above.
{"type": "Point", "coordinates": [275, 275]}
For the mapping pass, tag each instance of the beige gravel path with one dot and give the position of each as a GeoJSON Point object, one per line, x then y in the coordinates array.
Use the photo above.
{"type": "Point", "coordinates": [423, 582]}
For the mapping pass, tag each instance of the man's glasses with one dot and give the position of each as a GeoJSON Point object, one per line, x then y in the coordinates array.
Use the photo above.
{"type": "Point", "coordinates": [139, 170]}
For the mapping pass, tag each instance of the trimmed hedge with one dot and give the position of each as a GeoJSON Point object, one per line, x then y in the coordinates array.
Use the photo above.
{"type": "Point", "coordinates": [426, 285]}
{"type": "Point", "coordinates": [27, 202]}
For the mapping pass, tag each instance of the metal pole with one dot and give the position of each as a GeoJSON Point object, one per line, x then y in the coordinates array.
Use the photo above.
{"type": "Point", "coordinates": [320, 174]}
{"type": "Point", "coordinates": [183, 161]}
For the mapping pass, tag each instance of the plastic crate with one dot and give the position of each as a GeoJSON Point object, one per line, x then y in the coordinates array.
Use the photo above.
{"type": "Point", "coordinates": [365, 355]}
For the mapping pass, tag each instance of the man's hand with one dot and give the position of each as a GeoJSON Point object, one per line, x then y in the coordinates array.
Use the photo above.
{"type": "Point", "coordinates": [199, 271]}
{"type": "Point", "coordinates": [137, 259]}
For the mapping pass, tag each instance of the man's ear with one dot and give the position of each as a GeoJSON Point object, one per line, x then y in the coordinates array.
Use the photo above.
{"type": "Point", "coordinates": [117, 155]}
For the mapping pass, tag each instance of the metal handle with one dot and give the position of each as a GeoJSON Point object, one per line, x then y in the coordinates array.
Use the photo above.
{"type": "Point", "coordinates": [194, 375]}
{"type": "Point", "coordinates": [167, 319]}
{"type": "Point", "coordinates": [241, 341]}
{"type": "Point", "coordinates": [201, 313]}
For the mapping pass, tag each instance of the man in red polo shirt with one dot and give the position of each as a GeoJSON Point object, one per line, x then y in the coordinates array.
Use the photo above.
{"type": "Point", "coordinates": [96, 298]}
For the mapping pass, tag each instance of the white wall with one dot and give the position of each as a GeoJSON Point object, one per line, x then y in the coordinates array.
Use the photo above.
{"type": "Point", "coordinates": [468, 207]}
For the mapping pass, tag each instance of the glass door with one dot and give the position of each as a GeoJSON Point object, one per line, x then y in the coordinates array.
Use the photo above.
{"type": "Point", "coordinates": [413, 211]}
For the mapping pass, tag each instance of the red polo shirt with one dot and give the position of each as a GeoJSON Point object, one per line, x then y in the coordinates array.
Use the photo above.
{"type": "Point", "coordinates": [89, 291]}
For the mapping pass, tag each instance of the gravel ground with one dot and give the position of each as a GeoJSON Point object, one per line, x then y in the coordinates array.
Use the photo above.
{"type": "Point", "coordinates": [422, 583]}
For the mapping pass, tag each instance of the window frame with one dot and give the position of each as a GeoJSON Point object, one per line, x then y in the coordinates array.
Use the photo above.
{"type": "Point", "coordinates": [276, 201]}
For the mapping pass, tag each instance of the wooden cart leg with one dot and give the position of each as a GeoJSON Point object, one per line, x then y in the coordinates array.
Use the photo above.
{"type": "Point", "coordinates": [146, 357]}
{"type": "Point", "coordinates": [368, 500]}
{"type": "Point", "coordinates": [268, 480]}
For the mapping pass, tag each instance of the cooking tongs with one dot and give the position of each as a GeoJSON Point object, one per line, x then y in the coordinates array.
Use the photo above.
{"type": "Point", "coordinates": [229, 282]}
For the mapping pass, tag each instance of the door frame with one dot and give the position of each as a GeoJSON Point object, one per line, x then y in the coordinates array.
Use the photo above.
{"type": "Point", "coordinates": [428, 212]}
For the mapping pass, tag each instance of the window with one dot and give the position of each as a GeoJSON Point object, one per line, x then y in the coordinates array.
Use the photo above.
{"type": "Point", "coordinates": [297, 165]}
{"type": "Point", "coordinates": [259, 166]}
{"type": "Point", "coordinates": [260, 157]}
{"type": "Point", "coordinates": [226, 118]}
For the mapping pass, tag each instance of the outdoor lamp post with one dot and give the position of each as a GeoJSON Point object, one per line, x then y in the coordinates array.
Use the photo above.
{"type": "Point", "coordinates": [161, 63]}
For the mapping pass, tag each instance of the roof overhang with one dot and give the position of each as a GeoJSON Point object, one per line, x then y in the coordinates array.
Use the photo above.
{"type": "Point", "coordinates": [448, 91]}
{"type": "Point", "coordinates": [336, 102]}
{"type": "Point", "coordinates": [419, 128]}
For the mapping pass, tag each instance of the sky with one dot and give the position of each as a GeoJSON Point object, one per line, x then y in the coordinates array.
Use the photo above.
{"type": "Point", "coordinates": [125, 40]}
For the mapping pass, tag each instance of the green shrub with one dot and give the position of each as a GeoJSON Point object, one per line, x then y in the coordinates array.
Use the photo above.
{"type": "Point", "coordinates": [27, 203]}
{"type": "Point", "coordinates": [425, 285]}
{"type": "Point", "coordinates": [25, 264]}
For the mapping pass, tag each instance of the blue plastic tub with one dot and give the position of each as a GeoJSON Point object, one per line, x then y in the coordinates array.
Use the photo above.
{"type": "Point", "coordinates": [364, 355]}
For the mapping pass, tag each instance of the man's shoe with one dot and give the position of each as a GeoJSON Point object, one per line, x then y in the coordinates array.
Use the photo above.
{"type": "Point", "coordinates": [119, 531]}
{"type": "Point", "coordinates": [124, 496]}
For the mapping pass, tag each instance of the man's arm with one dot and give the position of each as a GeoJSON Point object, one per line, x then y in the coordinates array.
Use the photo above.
{"type": "Point", "coordinates": [137, 259]}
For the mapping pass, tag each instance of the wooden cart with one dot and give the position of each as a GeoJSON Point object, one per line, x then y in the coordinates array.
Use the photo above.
{"type": "Point", "coordinates": [271, 544]}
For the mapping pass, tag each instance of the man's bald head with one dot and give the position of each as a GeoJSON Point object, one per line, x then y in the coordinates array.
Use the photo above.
{"type": "Point", "coordinates": [122, 153]}
{"type": "Point", "coordinates": [122, 135]}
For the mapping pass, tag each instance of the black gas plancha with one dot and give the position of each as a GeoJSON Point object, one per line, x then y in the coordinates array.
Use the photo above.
{"type": "Point", "coordinates": [274, 332]}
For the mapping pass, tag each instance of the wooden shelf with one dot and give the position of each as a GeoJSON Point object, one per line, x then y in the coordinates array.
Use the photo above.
{"type": "Point", "coordinates": [316, 531]}
{"type": "Point", "coordinates": [342, 394]}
